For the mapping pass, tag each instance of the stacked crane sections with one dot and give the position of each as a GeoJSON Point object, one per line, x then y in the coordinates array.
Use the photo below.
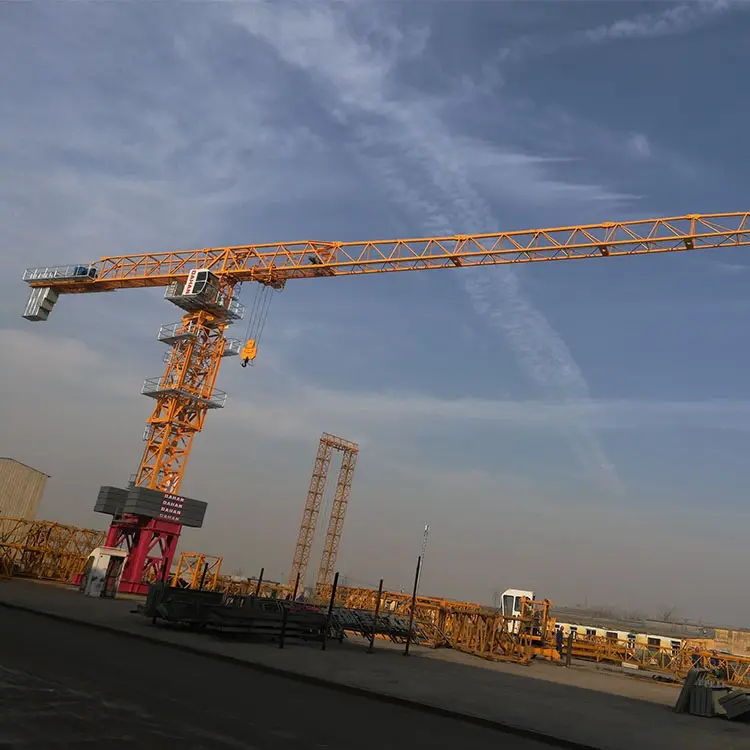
{"type": "Point", "coordinates": [46, 550]}
{"type": "Point", "coordinates": [197, 571]}
{"type": "Point", "coordinates": [463, 626]}
{"type": "Point", "coordinates": [327, 445]}
{"type": "Point", "coordinates": [187, 389]}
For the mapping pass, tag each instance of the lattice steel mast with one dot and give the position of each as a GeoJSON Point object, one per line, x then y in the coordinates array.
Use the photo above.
{"type": "Point", "coordinates": [202, 282]}
{"type": "Point", "coordinates": [338, 512]}
{"type": "Point", "coordinates": [310, 513]}
{"type": "Point", "coordinates": [326, 446]}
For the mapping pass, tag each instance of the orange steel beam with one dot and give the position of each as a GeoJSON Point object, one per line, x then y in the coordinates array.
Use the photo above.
{"type": "Point", "coordinates": [45, 549]}
{"type": "Point", "coordinates": [311, 512]}
{"type": "Point", "coordinates": [186, 390]}
{"type": "Point", "coordinates": [275, 263]}
{"type": "Point", "coordinates": [327, 444]}
{"type": "Point", "coordinates": [197, 571]}
{"type": "Point", "coordinates": [183, 395]}
{"type": "Point", "coordinates": [728, 668]}
{"type": "Point", "coordinates": [336, 519]}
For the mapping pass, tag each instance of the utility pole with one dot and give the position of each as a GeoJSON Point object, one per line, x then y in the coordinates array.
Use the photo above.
{"type": "Point", "coordinates": [424, 549]}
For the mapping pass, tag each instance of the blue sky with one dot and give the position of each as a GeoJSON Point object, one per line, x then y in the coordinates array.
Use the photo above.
{"type": "Point", "coordinates": [575, 428]}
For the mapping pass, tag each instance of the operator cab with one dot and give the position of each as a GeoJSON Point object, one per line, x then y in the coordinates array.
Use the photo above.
{"type": "Point", "coordinates": [511, 602]}
{"type": "Point", "coordinates": [201, 281]}
{"type": "Point", "coordinates": [511, 606]}
{"type": "Point", "coordinates": [90, 272]}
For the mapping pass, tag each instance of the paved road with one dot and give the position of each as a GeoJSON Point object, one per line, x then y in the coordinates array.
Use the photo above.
{"type": "Point", "coordinates": [68, 686]}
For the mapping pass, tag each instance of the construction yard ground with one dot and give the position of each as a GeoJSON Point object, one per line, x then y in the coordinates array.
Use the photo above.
{"type": "Point", "coordinates": [576, 706]}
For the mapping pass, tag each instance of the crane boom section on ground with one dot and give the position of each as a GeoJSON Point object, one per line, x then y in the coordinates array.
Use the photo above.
{"type": "Point", "coordinates": [274, 264]}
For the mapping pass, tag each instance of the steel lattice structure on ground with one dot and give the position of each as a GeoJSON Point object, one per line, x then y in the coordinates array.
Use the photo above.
{"type": "Point", "coordinates": [197, 571]}
{"type": "Point", "coordinates": [471, 628]}
{"type": "Point", "coordinates": [186, 390]}
{"type": "Point", "coordinates": [729, 668]}
{"type": "Point", "coordinates": [463, 626]}
{"type": "Point", "coordinates": [44, 549]}
{"type": "Point", "coordinates": [190, 574]}
{"type": "Point", "coordinates": [326, 446]}
{"type": "Point", "coordinates": [248, 587]}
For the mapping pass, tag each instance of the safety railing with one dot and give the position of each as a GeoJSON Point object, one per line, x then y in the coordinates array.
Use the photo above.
{"type": "Point", "coordinates": [68, 272]}
{"type": "Point", "coordinates": [155, 387]}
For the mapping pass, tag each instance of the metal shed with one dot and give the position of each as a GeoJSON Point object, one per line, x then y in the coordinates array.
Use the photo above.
{"type": "Point", "coordinates": [21, 489]}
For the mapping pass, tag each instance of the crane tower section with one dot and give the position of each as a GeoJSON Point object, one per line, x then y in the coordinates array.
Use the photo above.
{"type": "Point", "coordinates": [186, 390]}
{"type": "Point", "coordinates": [326, 446]}
{"type": "Point", "coordinates": [336, 519]}
{"type": "Point", "coordinates": [202, 281]}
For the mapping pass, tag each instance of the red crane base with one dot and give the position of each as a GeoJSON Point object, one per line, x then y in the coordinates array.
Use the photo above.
{"type": "Point", "coordinates": [151, 545]}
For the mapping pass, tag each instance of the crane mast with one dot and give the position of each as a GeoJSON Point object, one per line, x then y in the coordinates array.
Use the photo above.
{"type": "Point", "coordinates": [326, 447]}
{"type": "Point", "coordinates": [202, 282]}
{"type": "Point", "coordinates": [183, 395]}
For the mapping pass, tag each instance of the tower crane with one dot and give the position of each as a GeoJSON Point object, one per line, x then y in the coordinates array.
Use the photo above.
{"type": "Point", "coordinates": [202, 283]}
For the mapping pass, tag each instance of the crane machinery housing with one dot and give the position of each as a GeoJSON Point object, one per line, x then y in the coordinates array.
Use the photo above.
{"type": "Point", "coordinates": [202, 283]}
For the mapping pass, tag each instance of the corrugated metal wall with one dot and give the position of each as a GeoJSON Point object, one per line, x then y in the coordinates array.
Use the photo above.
{"type": "Point", "coordinates": [21, 489]}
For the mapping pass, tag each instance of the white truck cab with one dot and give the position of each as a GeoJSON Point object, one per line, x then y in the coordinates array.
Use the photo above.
{"type": "Point", "coordinates": [511, 605]}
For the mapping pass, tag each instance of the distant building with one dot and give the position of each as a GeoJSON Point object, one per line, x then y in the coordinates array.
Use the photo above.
{"type": "Point", "coordinates": [21, 489]}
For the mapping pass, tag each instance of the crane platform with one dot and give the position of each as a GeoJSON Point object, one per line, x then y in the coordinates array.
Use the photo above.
{"type": "Point", "coordinates": [154, 388]}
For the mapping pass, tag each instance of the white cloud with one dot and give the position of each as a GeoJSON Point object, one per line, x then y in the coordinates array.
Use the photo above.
{"type": "Point", "coordinates": [729, 268]}
{"type": "Point", "coordinates": [640, 145]}
{"type": "Point", "coordinates": [76, 413]}
{"type": "Point", "coordinates": [293, 409]}
{"type": "Point", "coordinates": [165, 162]}
{"type": "Point", "coordinates": [423, 166]}
{"type": "Point", "coordinates": [677, 19]}
{"type": "Point", "coordinates": [674, 19]}
{"type": "Point", "coordinates": [118, 169]}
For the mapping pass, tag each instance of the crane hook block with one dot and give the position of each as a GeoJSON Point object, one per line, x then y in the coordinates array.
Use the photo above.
{"type": "Point", "coordinates": [249, 352]}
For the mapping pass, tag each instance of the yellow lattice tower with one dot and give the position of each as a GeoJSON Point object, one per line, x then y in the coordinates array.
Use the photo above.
{"type": "Point", "coordinates": [202, 282]}
{"type": "Point", "coordinates": [326, 447]}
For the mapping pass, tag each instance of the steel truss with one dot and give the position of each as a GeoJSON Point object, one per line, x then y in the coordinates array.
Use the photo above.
{"type": "Point", "coordinates": [183, 394]}
{"type": "Point", "coordinates": [197, 571]}
{"type": "Point", "coordinates": [728, 668]}
{"type": "Point", "coordinates": [326, 446]}
{"type": "Point", "coordinates": [464, 626]}
{"type": "Point", "coordinates": [44, 549]}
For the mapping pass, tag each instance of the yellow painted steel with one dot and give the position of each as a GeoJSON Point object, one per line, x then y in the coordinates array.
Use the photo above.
{"type": "Point", "coordinates": [276, 263]}
{"type": "Point", "coordinates": [197, 571]}
{"type": "Point", "coordinates": [184, 398]}
{"type": "Point", "coordinates": [192, 368]}
{"type": "Point", "coordinates": [463, 626]}
{"type": "Point", "coordinates": [728, 668]}
{"type": "Point", "coordinates": [249, 351]}
{"type": "Point", "coordinates": [44, 549]}
{"type": "Point", "coordinates": [326, 446]}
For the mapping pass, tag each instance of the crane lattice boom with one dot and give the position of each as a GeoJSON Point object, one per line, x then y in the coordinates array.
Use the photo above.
{"type": "Point", "coordinates": [202, 283]}
{"type": "Point", "coordinates": [275, 264]}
